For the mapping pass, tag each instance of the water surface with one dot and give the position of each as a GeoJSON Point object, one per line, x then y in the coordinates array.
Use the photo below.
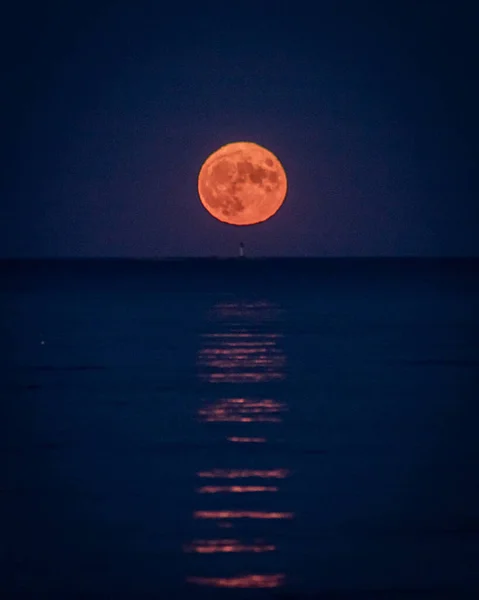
{"type": "Point", "coordinates": [239, 428]}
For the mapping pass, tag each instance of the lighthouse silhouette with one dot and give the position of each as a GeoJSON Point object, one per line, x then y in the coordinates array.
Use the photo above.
{"type": "Point", "coordinates": [241, 250]}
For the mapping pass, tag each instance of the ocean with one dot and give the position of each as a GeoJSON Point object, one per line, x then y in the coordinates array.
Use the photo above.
{"type": "Point", "coordinates": [300, 428]}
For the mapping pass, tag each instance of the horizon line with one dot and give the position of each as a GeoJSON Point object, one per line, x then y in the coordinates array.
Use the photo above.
{"type": "Point", "coordinates": [242, 258]}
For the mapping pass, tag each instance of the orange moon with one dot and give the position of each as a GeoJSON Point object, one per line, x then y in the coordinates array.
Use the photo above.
{"type": "Point", "coordinates": [242, 184]}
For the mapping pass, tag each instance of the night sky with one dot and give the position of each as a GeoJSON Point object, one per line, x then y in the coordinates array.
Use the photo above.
{"type": "Point", "coordinates": [109, 110]}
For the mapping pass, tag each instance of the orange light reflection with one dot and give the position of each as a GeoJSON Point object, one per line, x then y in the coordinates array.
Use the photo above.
{"type": "Point", "coordinates": [240, 356]}
{"type": "Point", "coordinates": [244, 473]}
{"type": "Point", "coordinates": [235, 489]}
{"type": "Point", "coordinates": [241, 514]}
{"type": "Point", "coordinates": [261, 344]}
{"type": "Point", "coordinates": [247, 440]}
{"type": "Point", "coordinates": [218, 418]}
{"type": "Point", "coordinates": [242, 581]}
{"type": "Point", "coordinates": [233, 350]}
{"type": "Point", "coordinates": [242, 410]}
{"type": "Point", "coordinates": [226, 546]}
{"type": "Point", "coordinates": [242, 377]}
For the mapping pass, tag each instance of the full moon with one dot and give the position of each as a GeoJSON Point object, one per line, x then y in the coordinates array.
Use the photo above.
{"type": "Point", "coordinates": [242, 184]}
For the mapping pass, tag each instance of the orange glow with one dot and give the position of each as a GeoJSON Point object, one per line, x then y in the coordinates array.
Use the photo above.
{"type": "Point", "coordinates": [241, 410]}
{"type": "Point", "coordinates": [245, 405]}
{"type": "Point", "coordinates": [241, 514]}
{"type": "Point", "coordinates": [253, 345]}
{"type": "Point", "coordinates": [233, 356]}
{"type": "Point", "coordinates": [232, 352]}
{"type": "Point", "coordinates": [242, 581]}
{"type": "Point", "coordinates": [226, 546]}
{"type": "Point", "coordinates": [242, 184]}
{"type": "Point", "coordinates": [235, 489]}
{"type": "Point", "coordinates": [241, 357]}
{"type": "Point", "coordinates": [244, 473]}
{"type": "Point", "coordinates": [247, 440]}
{"type": "Point", "coordinates": [219, 418]}
{"type": "Point", "coordinates": [242, 377]}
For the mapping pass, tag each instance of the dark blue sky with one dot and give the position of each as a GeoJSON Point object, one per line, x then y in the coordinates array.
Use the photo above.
{"type": "Point", "coordinates": [109, 110]}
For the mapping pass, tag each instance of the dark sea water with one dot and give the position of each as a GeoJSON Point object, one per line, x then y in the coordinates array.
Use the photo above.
{"type": "Point", "coordinates": [256, 428]}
